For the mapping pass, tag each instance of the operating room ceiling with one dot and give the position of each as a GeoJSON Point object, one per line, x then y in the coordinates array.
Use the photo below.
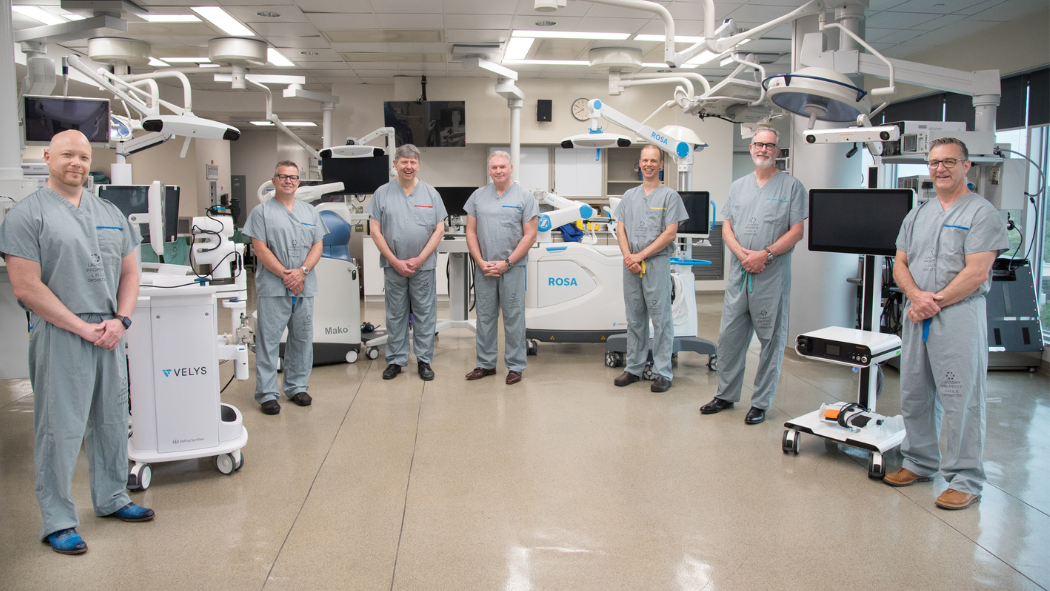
{"type": "Point", "coordinates": [371, 41]}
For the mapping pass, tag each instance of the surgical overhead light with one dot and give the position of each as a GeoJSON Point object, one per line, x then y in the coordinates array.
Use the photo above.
{"type": "Point", "coordinates": [818, 94]}
{"type": "Point", "coordinates": [596, 139]}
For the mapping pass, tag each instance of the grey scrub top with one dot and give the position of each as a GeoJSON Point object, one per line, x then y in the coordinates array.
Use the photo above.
{"type": "Point", "coordinates": [759, 216]}
{"type": "Point", "coordinates": [938, 241]}
{"type": "Point", "coordinates": [79, 249]}
{"type": "Point", "coordinates": [500, 219]}
{"type": "Point", "coordinates": [646, 217]}
{"type": "Point", "coordinates": [289, 235]}
{"type": "Point", "coordinates": [407, 221]}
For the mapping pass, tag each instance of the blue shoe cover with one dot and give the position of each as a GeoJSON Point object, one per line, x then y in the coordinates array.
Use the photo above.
{"type": "Point", "coordinates": [67, 541]}
{"type": "Point", "coordinates": [132, 512]}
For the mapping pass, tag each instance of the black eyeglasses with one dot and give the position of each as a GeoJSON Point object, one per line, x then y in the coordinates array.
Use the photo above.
{"type": "Point", "coordinates": [947, 162]}
{"type": "Point", "coordinates": [761, 146]}
{"type": "Point", "coordinates": [288, 177]}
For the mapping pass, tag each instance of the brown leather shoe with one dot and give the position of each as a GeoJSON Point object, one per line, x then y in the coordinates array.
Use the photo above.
{"type": "Point", "coordinates": [513, 377]}
{"type": "Point", "coordinates": [904, 477]}
{"type": "Point", "coordinates": [480, 372]}
{"type": "Point", "coordinates": [952, 499]}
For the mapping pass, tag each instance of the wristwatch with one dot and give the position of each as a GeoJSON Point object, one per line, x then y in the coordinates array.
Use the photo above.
{"type": "Point", "coordinates": [509, 264]}
{"type": "Point", "coordinates": [305, 270]}
{"type": "Point", "coordinates": [123, 320]}
{"type": "Point", "coordinates": [769, 254]}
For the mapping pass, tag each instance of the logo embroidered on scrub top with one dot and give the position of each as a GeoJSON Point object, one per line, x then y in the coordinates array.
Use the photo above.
{"type": "Point", "coordinates": [95, 271]}
{"type": "Point", "coordinates": [752, 226]}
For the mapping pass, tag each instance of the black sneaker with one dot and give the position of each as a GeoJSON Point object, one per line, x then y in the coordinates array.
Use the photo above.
{"type": "Point", "coordinates": [424, 371]}
{"type": "Point", "coordinates": [391, 371]}
{"type": "Point", "coordinates": [271, 407]}
{"type": "Point", "coordinates": [302, 399]}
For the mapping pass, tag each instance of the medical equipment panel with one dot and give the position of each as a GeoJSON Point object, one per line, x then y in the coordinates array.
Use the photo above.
{"type": "Point", "coordinates": [698, 206]}
{"type": "Point", "coordinates": [133, 199]}
{"type": "Point", "coordinates": [455, 198]}
{"type": "Point", "coordinates": [857, 221]}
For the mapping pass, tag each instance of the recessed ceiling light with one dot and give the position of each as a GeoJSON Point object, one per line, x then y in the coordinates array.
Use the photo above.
{"type": "Point", "coordinates": [39, 14]}
{"type": "Point", "coordinates": [299, 124]}
{"type": "Point", "coordinates": [220, 18]}
{"type": "Point", "coordinates": [677, 38]}
{"type": "Point", "coordinates": [546, 62]}
{"type": "Point", "coordinates": [702, 58]}
{"type": "Point", "coordinates": [545, 23]}
{"type": "Point", "coordinates": [268, 14]}
{"type": "Point", "coordinates": [572, 35]}
{"type": "Point", "coordinates": [262, 123]}
{"type": "Point", "coordinates": [277, 58]}
{"type": "Point", "coordinates": [172, 18]}
{"type": "Point", "coordinates": [518, 48]}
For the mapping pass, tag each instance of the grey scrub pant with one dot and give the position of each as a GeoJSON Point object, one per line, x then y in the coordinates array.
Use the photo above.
{"type": "Point", "coordinates": [649, 298]}
{"type": "Point", "coordinates": [421, 290]}
{"type": "Point", "coordinates": [492, 294]}
{"type": "Point", "coordinates": [762, 311]}
{"type": "Point", "coordinates": [943, 383]}
{"type": "Point", "coordinates": [80, 394]}
{"type": "Point", "coordinates": [275, 313]}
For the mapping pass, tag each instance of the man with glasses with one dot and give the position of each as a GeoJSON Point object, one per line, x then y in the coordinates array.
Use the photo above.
{"type": "Point", "coordinates": [764, 216]}
{"type": "Point", "coordinates": [945, 252]}
{"type": "Point", "coordinates": [286, 237]}
{"type": "Point", "coordinates": [407, 222]}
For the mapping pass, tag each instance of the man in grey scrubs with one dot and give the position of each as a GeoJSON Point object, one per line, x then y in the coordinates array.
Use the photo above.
{"type": "Point", "coordinates": [945, 252]}
{"type": "Point", "coordinates": [407, 221]}
{"type": "Point", "coordinates": [648, 218]}
{"type": "Point", "coordinates": [287, 239]}
{"type": "Point", "coordinates": [502, 219]}
{"type": "Point", "coordinates": [71, 259]}
{"type": "Point", "coordinates": [764, 216]}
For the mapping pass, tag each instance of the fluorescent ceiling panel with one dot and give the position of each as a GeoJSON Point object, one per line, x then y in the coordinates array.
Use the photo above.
{"type": "Point", "coordinates": [518, 48]}
{"type": "Point", "coordinates": [276, 58]}
{"type": "Point", "coordinates": [39, 14]}
{"type": "Point", "coordinates": [222, 19]}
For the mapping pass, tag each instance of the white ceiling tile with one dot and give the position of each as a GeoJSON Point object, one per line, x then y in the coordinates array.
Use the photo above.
{"type": "Point", "coordinates": [955, 32]}
{"type": "Point", "coordinates": [935, 6]}
{"type": "Point", "coordinates": [1009, 10]}
{"type": "Point", "coordinates": [410, 21]}
{"type": "Point", "coordinates": [611, 25]}
{"type": "Point", "coordinates": [982, 6]}
{"type": "Point", "coordinates": [333, 65]}
{"type": "Point", "coordinates": [409, 6]}
{"type": "Point", "coordinates": [299, 42]}
{"type": "Point", "coordinates": [480, 6]}
{"type": "Point", "coordinates": [249, 14]}
{"type": "Point", "coordinates": [283, 29]}
{"type": "Point", "coordinates": [898, 20]}
{"type": "Point", "coordinates": [480, 21]}
{"type": "Point", "coordinates": [390, 47]}
{"type": "Point", "coordinates": [359, 6]}
{"type": "Point", "coordinates": [328, 21]}
{"type": "Point", "coordinates": [937, 23]}
{"type": "Point", "coordinates": [151, 29]}
{"type": "Point", "coordinates": [306, 56]}
{"type": "Point", "coordinates": [872, 34]}
{"type": "Point", "coordinates": [901, 36]}
{"type": "Point", "coordinates": [758, 14]}
{"type": "Point", "coordinates": [877, 5]}
{"type": "Point", "coordinates": [460, 36]}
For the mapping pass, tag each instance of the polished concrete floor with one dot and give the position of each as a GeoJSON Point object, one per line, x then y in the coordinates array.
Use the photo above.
{"type": "Point", "coordinates": [560, 482]}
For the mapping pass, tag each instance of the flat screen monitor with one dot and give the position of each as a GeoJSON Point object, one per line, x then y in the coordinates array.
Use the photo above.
{"type": "Point", "coordinates": [857, 221]}
{"type": "Point", "coordinates": [698, 206]}
{"type": "Point", "coordinates": [360, 176]}
{"type": "Point", "coordinates": [427, 124]}
{"type": "Point", "coordinates": [46, 116]}
{"type": "Point", "coordinates": [455, 198]}
{"type": "Point", "coordinates": [134, 199]}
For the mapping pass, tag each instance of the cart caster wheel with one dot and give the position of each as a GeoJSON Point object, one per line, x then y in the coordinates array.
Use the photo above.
{"type": "Point", "coordinates": [712, 362]}
{"type": "Point", "coordinates": [225, 463]}
{"type": "Point", "coordinates": [790, 441]}
{"type": "Point", "coordinates": [532, 347]}
{"type": "Point", "coordinates": [876, 467]}
{"type": "Point", "coordinates": [1032, 369]}
{"type": "Point", "coordinates": [674, 359]}
{"type": "Point", "coordinates": [613, 359]}
{"type": "Point", "coordinates": [372, 353]}
{"type": "Point", "coordinates": [351, 356]}
{"type": "Point", "coordinates": [240, 460]}
{"type": "Point", "coordinates": [647, 373]}
{"type": "Point", "coordinates": [139, 477]}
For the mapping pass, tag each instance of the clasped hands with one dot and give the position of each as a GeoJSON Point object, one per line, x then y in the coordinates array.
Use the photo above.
{"type": "Point", "coordinates": [924, 304]}
{"type": "Point", "coordinates": [407, 267]}
{"type": "Point", "coordinates": [754, 261]}
{"type": "Point", "coordinates": [493, 268]}
{"type": "Point", "coordinates": [295, 280]}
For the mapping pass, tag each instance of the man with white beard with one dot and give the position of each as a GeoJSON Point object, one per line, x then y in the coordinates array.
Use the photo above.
{"type": "Point", "coordinates": [764, 217]}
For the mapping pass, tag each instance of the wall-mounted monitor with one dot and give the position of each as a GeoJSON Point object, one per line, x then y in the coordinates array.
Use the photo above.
{"type": "Point", "coordinates": [131, 199]}
{"type": "Point", "coordinates": [698, 206]}
{"type": "Point", "coordinates": [47, 116]}
{"type": "Point", "coordinates": [857, 221]}
{"type": "Point", "coordinates": [360, 176]}
{"type": "Point", "coordinates": [455, 198]}
{"type": "Point", "coordinates": [427, 124]}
